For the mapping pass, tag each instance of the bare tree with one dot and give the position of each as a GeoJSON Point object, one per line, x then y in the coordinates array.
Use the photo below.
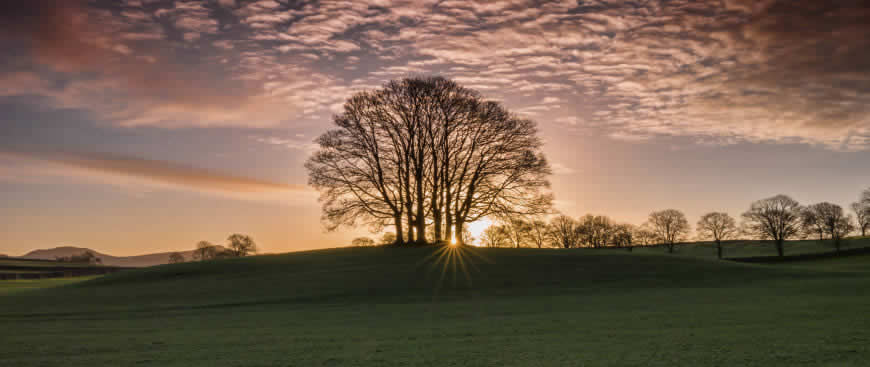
{"type": "Point", "coordinates": [622, 235]}
{"type": "Point", "coordinates": [176, 258]}
{"type": "Point", "coordinates": [538, 232]}
{"type": "Point", "coordinates": [862, 216]}
{"type": "Point", "coordinates": [832, 220]}
{"type": "Point", "coordinates": [496, 236]}
{"type": "Point", "coordinates": [205, 251]}
{"type": "Point", "coordinates": [670, 226]}
{"type": "Point", "coordinates": [777, 218]}
{"type": "Point", "coordinates": [813, 222]}
{"type": "Point", "coordinates": [717, 226]}
{"type": "Point", "coordinates": [644, 236]}
{"type": "Point", "coordinates": [563, 232]}
{"type": "Point", "coordinates": [518, 231]}
{"type": "Point", "coordinates": [426, 150]}
{"type": "Point", "coordinates": [241, 245]}
{"type": "Point", "coordinates": [595, 230]}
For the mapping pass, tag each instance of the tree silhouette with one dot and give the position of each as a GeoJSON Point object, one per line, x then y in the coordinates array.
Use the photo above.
{"type": "Point", "coordinates": [670, 226]}
{"type": "Point", "coordinates": [812, 220]}
{"type": "Point", "coordinates": [518, 231]}
{"type": "Point", "coordinates": [622, 235]}
{"type": "Point", "coordinates": [241, 245]}
{"type": "Point", "coordinates": [539, 233]}
{"type": "Point", "coordinates": [777, 218]}
{"type": "Point", "coordinates": [388, 238]}
{"type": "Point", "coordinates": [862, 216]}
{"type": "Point", "coordinates": [718, 227]}
{"type": "Point", "coordinates": [205, 251]}
{"type": "Point", "coordinates": [176, 258]}
{"type": "Point", "coordinates": [496, 236]}
{"type": "Point", "coordinates": [595, 230]}
{"type": "Point", "coordinates": [362, 242]}
{"type": "Point", "coordinates": [564, 231]}
{"type": "Point", "coordinates": [829, 218]}
{"type": "Point", "coordinates": [426, 150]}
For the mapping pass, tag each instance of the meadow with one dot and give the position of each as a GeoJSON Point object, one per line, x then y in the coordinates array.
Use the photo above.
{"type": "Point", "coordinates": [450, 307]}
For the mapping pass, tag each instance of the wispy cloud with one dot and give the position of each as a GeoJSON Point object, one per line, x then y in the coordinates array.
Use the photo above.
{"type": "Point", "coordinates": [138, 172]}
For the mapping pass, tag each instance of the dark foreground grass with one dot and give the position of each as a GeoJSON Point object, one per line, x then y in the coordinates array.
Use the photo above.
{"type": "Point", "coordinates": [401, 307]}
{"type": "Point", "coordinates": [755, 248]}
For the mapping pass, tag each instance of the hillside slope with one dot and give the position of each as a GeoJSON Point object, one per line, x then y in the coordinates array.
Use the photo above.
{"type": "Point", "coordinates": [417, 307]}
{"type": "Point", "coordinates": [137, 261]}
{"type": "Point", "coordinates": [340, 275]}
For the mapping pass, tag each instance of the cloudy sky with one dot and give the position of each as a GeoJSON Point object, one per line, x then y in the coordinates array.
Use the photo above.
{"type": "Point", "coordinates": [133, 126]}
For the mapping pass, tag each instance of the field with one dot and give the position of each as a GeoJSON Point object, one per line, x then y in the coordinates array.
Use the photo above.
{"type": "Point", "coordinates": [469, 307]}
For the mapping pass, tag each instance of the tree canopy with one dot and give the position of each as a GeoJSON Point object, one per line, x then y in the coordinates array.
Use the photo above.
{"type": "Point", "coordinates": [424, 151]}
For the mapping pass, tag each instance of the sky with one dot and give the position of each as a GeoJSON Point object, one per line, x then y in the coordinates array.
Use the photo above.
{"type": "Point", "coordinates": [138, 126]}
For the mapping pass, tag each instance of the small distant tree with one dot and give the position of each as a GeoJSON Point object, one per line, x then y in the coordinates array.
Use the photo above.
{"type": "Point", "coordinates": [388, 238]}
{"type": "Point", "coordinates": [362, 242]}
{"type": "Point", "coordinates": [643, 236]}
{"type": "Point", "coordinates": [862, 216]}
{"type": "Point", "coordinates": [813, 222]}
{"type": "Point", "coordinates": [518, 231]}
{"type": "Point", "coordinates": [205, 251]}
{"type": "Point", "coordinates": [594, 230]}
{"type": "Point", "coordinates": [622, 235]}
{"type": "Point", "coordinates": [241, 245]}
{"type": "Point", "coordinates": [86, 257]}
{"type": "Point", "coordinates": [564, 232]}
{"type": "Point", "coordinates": [776, 218]}
{"type": "Point", "coordinates": [495, 236]}
{"type": "Point", "coordinates": [670, 227]}
{"type": "Point", "coordinates": [176, 258]}
{"type": "Point", "coordinates": [538, 232]}
{"type": "Point", "coordinates": [718, 227]}
{"type": "Point", "coordinates": [834, 221]}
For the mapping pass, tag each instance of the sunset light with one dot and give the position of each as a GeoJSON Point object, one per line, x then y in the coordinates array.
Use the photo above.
{"type": "Point", "coordinates": [434, 183]}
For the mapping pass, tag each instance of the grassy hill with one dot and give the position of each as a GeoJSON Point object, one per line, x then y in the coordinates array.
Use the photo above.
{"type": "Point", "coordinates": [123, 261]}
{"type": "Point", "coordinates": [423, 306]}
{"type": "Point", "coordinates": [753, 248]}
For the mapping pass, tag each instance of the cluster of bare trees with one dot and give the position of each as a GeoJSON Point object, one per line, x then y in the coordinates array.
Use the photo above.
{"type": "Point", "coordinates": [778, 218]}
{"type": "Point", "coordinates": [238, 245]}
{"type": "Point", "coordinates": [597, 231]}
{"type": "Point", "coordinates": [781, 218]}
{"type": "Point", "coordinates": [427, 153]}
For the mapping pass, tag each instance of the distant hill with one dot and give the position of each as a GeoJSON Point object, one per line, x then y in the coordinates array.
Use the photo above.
{"type": "Point", "coordinates": [126, 261]}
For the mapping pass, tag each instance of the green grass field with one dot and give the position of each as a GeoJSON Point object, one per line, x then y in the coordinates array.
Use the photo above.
{"type": "Point", "coordinates": [472, 307]}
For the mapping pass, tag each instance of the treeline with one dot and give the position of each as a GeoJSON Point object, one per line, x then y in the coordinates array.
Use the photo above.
{"type": "Point", "coordinates": [86, 257]}
{"type": "Point", "coordinates": [238, 245]}
{"type": "Point", "coordinates": [778, 218]}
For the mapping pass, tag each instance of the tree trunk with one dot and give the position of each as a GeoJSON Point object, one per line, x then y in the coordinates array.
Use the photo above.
{"type": "Point", "coordinates": [436, 217]}
{"type": "Point", "coordinates": [670, 248]}
{"type": "Point", "coordinates": [400, 237]}
{"type": "Point", "coordinates": [459, 240]}
{"type": "Point", "coordinates": [410, 225]}
{"type": "Point", "coordinates": [779, 248]}
{"type": "Point", "coordinates": [719, 249]}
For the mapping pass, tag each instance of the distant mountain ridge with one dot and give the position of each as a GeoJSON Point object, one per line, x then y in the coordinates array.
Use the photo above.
{"type": "Point", "coordinates": [137, 261]}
